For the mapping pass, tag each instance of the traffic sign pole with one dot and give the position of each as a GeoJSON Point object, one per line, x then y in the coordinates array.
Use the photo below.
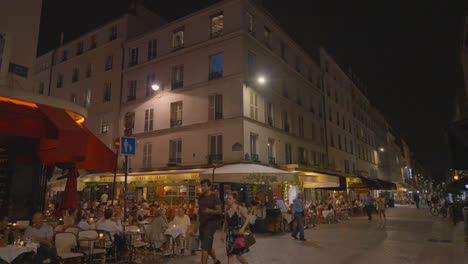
{"type": "Point", "coordinates": [126, 189]}
{"type": "Point", "coordinates": [117, 147]}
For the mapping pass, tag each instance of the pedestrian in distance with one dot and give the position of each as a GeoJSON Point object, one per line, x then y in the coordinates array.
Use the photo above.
{"type": "Point", "coordinates": [234, 229]}
{"type": "Point", "coordinates": [381, 207]}
{"type": "Point", "coordinates": [298, 210]}
{"type": "Point", "coordinates": [416, 200]}
{"type": "Point", "coordinates": [369, 205]}
{"type": "Point", "coordinates": [209, 207]}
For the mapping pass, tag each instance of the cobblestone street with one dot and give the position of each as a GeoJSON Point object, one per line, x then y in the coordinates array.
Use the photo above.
{"type": "Point", "coordinates": [409, 236]}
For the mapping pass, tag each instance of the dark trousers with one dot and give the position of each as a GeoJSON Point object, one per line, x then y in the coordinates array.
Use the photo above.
{"type": "Point", "coordinates": [42, 254]}
{"type": "Point", "coordinates": [369, 209]}
{"type": "Point", "coordinates": [417, 204]}
{"type": "Point", "coordinates": [300, 225]}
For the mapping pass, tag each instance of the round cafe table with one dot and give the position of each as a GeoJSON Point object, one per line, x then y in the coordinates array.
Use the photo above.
{"type": "Point", "coordinates": [90, 241]}
{"type": "Point", "coordinates": [174, 232]}
{"type": "Point", "coordinates": [11, 252]}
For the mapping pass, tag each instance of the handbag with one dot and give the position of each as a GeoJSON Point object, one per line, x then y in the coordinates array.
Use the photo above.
{"type": "Point", "coordinates": [239, 242]}
{"type": "Point", "coordinates": [248, 237]}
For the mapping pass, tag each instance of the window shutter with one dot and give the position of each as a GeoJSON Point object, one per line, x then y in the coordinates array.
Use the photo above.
{"type": "Point", "coordinates": [211, 107]}
{"type": "Point", "coordinates": [151, 119]}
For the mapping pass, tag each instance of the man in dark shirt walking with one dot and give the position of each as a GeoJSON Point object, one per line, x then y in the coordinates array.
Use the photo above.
{"type": "Point", "coordinates": [210, 206]}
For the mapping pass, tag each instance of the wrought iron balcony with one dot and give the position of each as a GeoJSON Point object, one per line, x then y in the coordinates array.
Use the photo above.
{"type": "Point", "coordinates": [176, 122]}
{"type": "Point", "coordinates": [217, 157]}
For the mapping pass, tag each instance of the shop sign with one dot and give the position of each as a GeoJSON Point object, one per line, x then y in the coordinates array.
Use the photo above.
{"type": "Point", "coordinates": [189, 176]}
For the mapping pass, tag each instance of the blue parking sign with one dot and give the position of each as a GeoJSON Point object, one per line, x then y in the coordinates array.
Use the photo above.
{"type": "Point", "coordinates": [127, 146]}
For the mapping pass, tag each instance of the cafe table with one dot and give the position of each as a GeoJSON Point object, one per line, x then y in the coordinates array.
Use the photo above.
{"type": "Point", "coordinates": [11, 252]}
{"type": "Point", "coordinates": [174, 232]}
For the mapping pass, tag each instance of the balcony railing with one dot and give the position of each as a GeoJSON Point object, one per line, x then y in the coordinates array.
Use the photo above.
{"type": "Point", "coordinates": [215, 75]}
{"type": "Point", "coordinates": [255, 157]}
{"type": "Point", "coordinates": [175, 160]}
{"type": "Point", "coordinates": [178, 46]}
{"type": "Point", "coordinates": [216, 34]}
{"type": "Point", "coordinates": [217, 157]}
{"type": "Point", "coordinates": [218, 115]}
{"type": "Point", "coordinates": [92, 46]}
{"type": "Point", "coordinates": [176, 122]}
{"type": "Point", "coordinates": [177, 84]}
{"type": "Point", "coordinates": [132, 63]}
{"type": "Point", "coordinates": [270, 121]}
{"type": "Point", "coordinates": [286, 127]}
{"type": "Point", "coordinates": [272, 160]}
{"type": "Point", "coordinates": [113, 36]}
{"type": "Point", "coordinates": [131, 97]}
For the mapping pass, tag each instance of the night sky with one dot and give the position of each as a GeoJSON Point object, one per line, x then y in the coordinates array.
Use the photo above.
{"type": "Point", "coordinates": [408, 56]}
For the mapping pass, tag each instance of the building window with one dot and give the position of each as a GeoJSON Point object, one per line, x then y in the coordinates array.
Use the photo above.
{"type": "Point", "coordinates": [73, 98]}
{"type": "Point", "coordinates": [336, 96]}
{"type": "Point", "coordinates": [332, 140]}
{"type": "Point", "coordinates": [147, 151]}
{"type": "Point", "coordinates": [338, 119]}
{"type": "Point", "coordinates": [302, 156]}
{"type": "Point", "coordinates": [320, 110]}
{"type": "Point", "coordinates": [215, 107]}
{"type": "Point", "coordinates": [93, 42]}
{"type": "Point", "coordinates": [88, 71]}
{"type": "Point", "coordinates": [270, 114]}
{"type": "Point", "coordinates": [87, 101]}
{"type": "Point", "coordinates": [176, 114]}
{"type": "Point", "coordinates": [41, 88]}
{"type": "Point", "coordinates": [109, 62]}
{"type": "Point", "coordinates": [175, 151]}
{"type": "Point", "coordinates": [152, 49]}
{"type": "Point", "coordinates": [328, 89]}
{"type": "Point", "coordinates": [150, 81]}
{"type": "Point", "coordinates": [313, 134]}
{"type": "Point", "coordinates": [75, 74]}
{"type": "Point", "coordinates": [217, 25]}
{"type": "Point", "coordinates": [359, 150]}
{"type": "Point", "coordinates": [250, 23]}
{"type": "Point", "coordinates": [282, 50]}
{"type": "Point", "coordinates": [253, 105]}
{"type": "Point", "coordinates": [271, 151]}
{"type": "Point", "coordinates": [346, 166]}
{"type": "Point", "coordinates": [330, 114]}
{"type": "Point", "coordinates": [267, 36]}
{"type": "Point", "coordinates": [178, 39]}
{"type": "Point", "coordinates": [288, 153]}
{"type": "Point", "coordinates": [105, 124]}
{"type": "Point", "coordinates": [133, 57]}
{"type": "Point", "coordinates": [107, 91]}
{"type": "Point", "coordinates": [343, 122]}
{"type": "Point", "coordinates": [350, 127]}
{"type": "Point", "coordinates": [298, 95]}
{"type": "Point", "coordinates": [351, 147]}
{"type": "Point", "coordinates": [300, 121]}
{"type": "Point", "coordinates": [339, 142]}
{"type": "Point", "coordinates": [253, 147]}
{"type": "Point", "coordinates": [132, 85]}
{"type": "Point", "coordinates": [345, 144]}
{"type": "Point", "coordinates": [178, 77]}
{"type": "Point", "coordinates": [64, 55]}
{"type": "Point", "coordinates": [284, 88]}
{"type": "Point", "coordinates": [113, 33]}
{"type": "Point", "coordinates": [216, 67]}
{"type": "Point", "coordinates": [297, 65]}
{"type": "Point", "coordinates": [311, 104]}
{"type": "Point", "coordinates": [215, 148]}
{"type": "Point", "coordinates": [79, 48]}
{"type": "Point", "coordinates": [285, 121]}
{"type": "Point", "coordinates": [251, 64]}
{"type": "Point", "coordinates": [2, 47]}
{"type": "Point", "coordinates": [149, 113]}
{"type": "Point", "coordinates": [322, 135]}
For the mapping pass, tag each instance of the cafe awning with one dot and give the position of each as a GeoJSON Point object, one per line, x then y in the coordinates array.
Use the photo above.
{"type": "Point", "coordinates": [63, 138]}
{"type": "Point", "coordinates": [249, 173]}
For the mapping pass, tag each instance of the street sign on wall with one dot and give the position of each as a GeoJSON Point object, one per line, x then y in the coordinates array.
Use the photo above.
{"type": "Point", "coordinates": [127, 146]}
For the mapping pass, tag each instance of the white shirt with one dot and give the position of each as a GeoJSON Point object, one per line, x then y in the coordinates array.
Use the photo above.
{"type": "Point", "coordinates": [109, 226]}
{"type": "Point", "coordinates": [183, 221]}
{"type": "Point", "coordinates": [83, 225]}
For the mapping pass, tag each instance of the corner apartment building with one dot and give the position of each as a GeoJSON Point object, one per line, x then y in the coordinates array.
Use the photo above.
{"type": "Point", "coordinates": [210, 104]}
{"type": "Point", "coordinates": [87, 71]}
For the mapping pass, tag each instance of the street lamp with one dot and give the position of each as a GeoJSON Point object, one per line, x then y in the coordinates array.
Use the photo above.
{"type": "Point", "coordinates": [261, 80]}
{"type": "Point", "coordinates": [155, 87]}
{"type": "Point", "coordinates": [382, 149]}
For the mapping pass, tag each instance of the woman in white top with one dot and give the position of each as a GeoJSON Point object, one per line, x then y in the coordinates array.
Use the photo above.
{"type": "Point", "coordinates": [181, 220]}
{"type": "Point", "coordinates": [82, 222]}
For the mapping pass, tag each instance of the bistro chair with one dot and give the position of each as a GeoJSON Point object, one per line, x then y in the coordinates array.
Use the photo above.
{"type": "Point", "coordinates": [73, 230]}
{"type": "Point", "coordinates": [66, 245]}
{"type": "Point", "coordinates": [109, 246]}
{"type": "Point", "coordinates": [58, 228]}
{"type": "Point", "coordinates": [137, 242]}
{"type": "Point", "coordinates": [84, 245]}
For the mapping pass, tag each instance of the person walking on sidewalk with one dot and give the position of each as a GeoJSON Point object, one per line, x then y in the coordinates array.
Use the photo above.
{"type": "Point", "coordinates": [234, 229]}
{"type": "Point", "coordinates": [380, 202]}
{"type": "Point", "coordinates": [209, 207]}
{"type": "Point", "coordinates": [416, 200]}
{"type": "Point", "coordinates": [369, 205]}
{"type": "Point", "coordinates": [298, 212]}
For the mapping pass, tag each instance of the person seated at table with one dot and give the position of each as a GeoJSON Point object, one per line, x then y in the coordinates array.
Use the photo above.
{"type": "Point", "coordinates": [158, 227]}
{"type": "Point", "coordinates": [108, 225]}
{"type": "Point", "coordinates": [193, 234]}
{"type": "Point", "coordinates": [83, 223]}
{"type": "Point", "coordinates": [181, 220]}
{"type": "Point", "coordinates": [42, 234]}
{"type": "Point", "coordinates": [132, 218]}
{"type": "Point", "coordinates": [117, 216]}
{"type": "Point", "coordinates": [143, 212]}
{"type": "Point", "coordinates": [99, 213]}
{"type": "Point", "coordinates": [69, 218]}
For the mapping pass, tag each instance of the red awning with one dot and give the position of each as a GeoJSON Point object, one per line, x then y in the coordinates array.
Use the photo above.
{"type": "Point", "coordinates": [98, 157]}
{"type": "Point", "coordinates": [62, 139]}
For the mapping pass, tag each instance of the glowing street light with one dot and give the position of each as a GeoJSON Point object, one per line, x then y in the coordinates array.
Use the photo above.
{"type": "Point", "coordinates": [155, 87]}
{"type": "Point", "coordinates": [261, 80]}
{"type": "Point", "coordinates": [382, 149]}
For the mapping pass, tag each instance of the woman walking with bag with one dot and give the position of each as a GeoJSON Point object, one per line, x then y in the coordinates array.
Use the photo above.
{"type": "Point", "coordinates": [234, 229]}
